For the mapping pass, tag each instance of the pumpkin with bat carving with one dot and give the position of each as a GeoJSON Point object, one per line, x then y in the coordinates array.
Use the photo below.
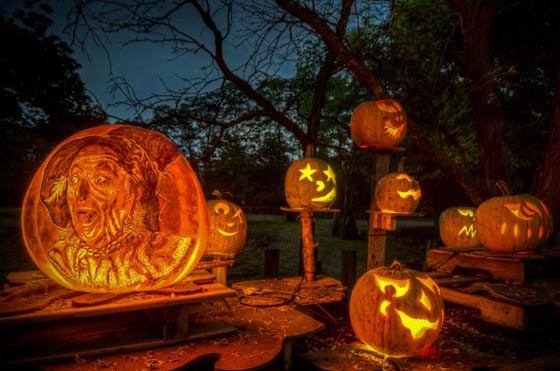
{"type": "Point", "coordinates": [395, 311]}
{"type": "Point", "coordinates": [397, 192]}
{"type": "Point", "coordinates": [379, 123]}
{"type": "Point", "coordinates": [115, 208]}
{"type": "Point", "coordinates": [310, 183]}
{"type": "Point", "coordinates": [456, 227]}
{"type": "Point", "coordinates": [513, 223]}
{"type": "Point", "coordinates": [228, 227]}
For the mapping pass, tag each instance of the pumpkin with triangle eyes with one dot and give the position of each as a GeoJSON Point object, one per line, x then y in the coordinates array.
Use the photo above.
{"type": "Point", "coordinates": [310, 183]}
{"type": "Point", "coordinates": [395, 311]}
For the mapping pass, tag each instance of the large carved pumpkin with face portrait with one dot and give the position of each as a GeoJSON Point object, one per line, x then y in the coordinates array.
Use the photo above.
{"type": "Point", "coordinates": [513, 223]}
{"type": "Point", "coordinates": [395, 311]}
{"type": "Point", "coordinates": [379, 123]}
{"type": "Point", "coordinates": [115, 208]}
{"type": "Point", "coordinates": [456, 227]}
{"type": "Point", "coordinates": [228, 227]}
{"type": "Point", "coordinates": [310, 183]}
{"type": "Point", "coordinates": [397, 192]}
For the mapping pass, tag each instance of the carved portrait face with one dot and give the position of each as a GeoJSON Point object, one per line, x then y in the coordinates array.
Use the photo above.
{"type": "Point", "coordinates": [115, 208]}
{"type": "Point", "coordinates": [101, 195]}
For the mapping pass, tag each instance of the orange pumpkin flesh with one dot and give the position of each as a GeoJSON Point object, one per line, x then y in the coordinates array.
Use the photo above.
{"type": "Point", "coordinates": [310, 183]}
{"type": "Point", "coordinates": [380, 123]}
{"type": "Point", "coordinates": [397, 192]}
{"type": "Point", "coordinates": [456, 227]}
{"type": "Point", "coordinates": [115, 208]}
{"type": "Point", "coordinates": [395, 311]}
{"type": "Point", "coordinates": [513, 223]}
{"type": "Point", "coordinates": [228, 228]}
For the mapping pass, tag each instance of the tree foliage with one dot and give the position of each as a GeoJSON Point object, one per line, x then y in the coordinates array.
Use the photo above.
{"type": "Point", "coordinates": [44, 99]}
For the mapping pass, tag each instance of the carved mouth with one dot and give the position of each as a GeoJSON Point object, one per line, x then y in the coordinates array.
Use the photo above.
{"type": "Point", "coordinates": [88, 220]}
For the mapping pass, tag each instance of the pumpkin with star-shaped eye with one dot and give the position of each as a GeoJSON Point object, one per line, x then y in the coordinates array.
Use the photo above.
{"type": "Point", "coordinates": [395, 311]}
{"type": "Point", "coordinates": [310, 183]}
{"type": "Point", "coordinates": [115, 208]}
{"type": "Point", "coordinates": [228, 228]}
{"type": "Point", "coordinates": [397, 192]}
{"type": "Point", "coordinates": [513, 223]}
{"type": "Point", "coordinates": [456, 227]}
{"type": "Point", "coordinates": [379, 123]}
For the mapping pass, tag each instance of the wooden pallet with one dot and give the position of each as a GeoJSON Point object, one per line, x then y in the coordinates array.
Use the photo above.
{"type": "Point", "coordinates": [41, 322]}
{"type": "Point", "coordinates": [508, 267]}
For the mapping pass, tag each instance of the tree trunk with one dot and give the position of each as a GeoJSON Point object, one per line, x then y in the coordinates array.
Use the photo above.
{"type": "Point", "coordinates": [476, 21]}
{"type": "Point", "coordinates": [548, 180]}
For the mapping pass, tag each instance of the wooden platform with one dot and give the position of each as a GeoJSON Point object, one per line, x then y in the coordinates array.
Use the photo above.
{"type": "Point", "coordinates": [42, 322]}
{"type": "Point", "coordinates": [508, 267]}
{"type": "Point", "coordinates": [520, 291]}
{"type": "Point", "coordinates": [271, 291]}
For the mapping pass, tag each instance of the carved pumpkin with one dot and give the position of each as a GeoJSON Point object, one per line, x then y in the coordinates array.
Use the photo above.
{"type": "Point", "coordinates": [396, 311]}
{"type": "Point", "coordinates": [397, 192]}
{"type": "Point", "coordinates": [228, 228]}
{"type": "Point", "coordinates": [456, 227]}
{"type": "Point", "coordinates": [378, 123]}
{"type": "Point", "coordinates": [513, 223]}
{"type": "Point", "coordinates": [115, 208]}
{"type": "Point", "coordinates": [310, 183]}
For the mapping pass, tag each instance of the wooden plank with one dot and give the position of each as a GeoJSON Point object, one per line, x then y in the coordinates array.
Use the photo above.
{"type": "Point", "coordinates": [136, 301]}
{"type": "Point", "coordinates": [508, 269]}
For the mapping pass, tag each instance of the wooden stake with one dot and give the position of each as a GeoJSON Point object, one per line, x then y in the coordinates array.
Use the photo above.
{"type": "Point", "coordinates": [309, 246]}
{"type": "Point", "coordinates": [377, 237]}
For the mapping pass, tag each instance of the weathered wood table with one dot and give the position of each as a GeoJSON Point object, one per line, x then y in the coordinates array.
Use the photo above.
{"type": "Point", "coordinates": [59, 329]}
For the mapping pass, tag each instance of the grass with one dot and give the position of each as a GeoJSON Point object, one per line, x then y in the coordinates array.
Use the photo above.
{"type": "Point", "coordinates": [407, 244]}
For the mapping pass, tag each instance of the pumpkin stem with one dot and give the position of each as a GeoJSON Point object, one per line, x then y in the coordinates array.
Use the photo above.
{"type": "Point", "coordinates": [400, 166]}
{"type": "Point", "coordinates": [220, 195]}
{"type": "Point", "coordinates": [502, 186]}
{"type": "Point", "coordinates": [395, 265]}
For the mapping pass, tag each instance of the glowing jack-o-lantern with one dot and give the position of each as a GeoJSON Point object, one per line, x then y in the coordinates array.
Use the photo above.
{"type": "Point", "coordinates": [395, 311]}
{"type": "Point", "coordinates": [228, 228]}
{"type": "Point", "coordinates": [310, 183]}
{"type": "Point", "coordinates": [379, 123]}
{"type": "Point", "coordinates": [397, 192]}
{"type": "Point", "coordinates": [513, 223]}
{"type": "Point", "coordinates": [456, 227]}
{"type": "Point", "coordinates": [115, 208]}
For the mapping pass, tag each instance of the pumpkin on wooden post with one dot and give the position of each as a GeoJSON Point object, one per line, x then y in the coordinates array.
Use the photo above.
{"type": "Point", "coordinates": [397, 192]}
{"type": "Point", "coordinates": [115, 208]}
{"type": "Point", "coordinates": [513, 223]}
{"type": "Point", "coordinates": [457, 228]}
{"type": "Point", "coordinates": [310, 184]}
{"type": "Point", "coordinates": [228, 227]}
{"type": "Point", "coordinates": [380, 123]}
{"type": "Point", "coordinates": [395, 311]}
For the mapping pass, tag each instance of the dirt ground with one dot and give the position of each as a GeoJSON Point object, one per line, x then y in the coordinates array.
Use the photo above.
{"type": "Point", "coordinates": [465, 343]}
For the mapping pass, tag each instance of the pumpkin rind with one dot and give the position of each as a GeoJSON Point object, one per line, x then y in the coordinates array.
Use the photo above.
{"type": "Point", "coordinates": [511, 224]}
{"type": "Point", "coordinates": [397, 193]}
{"type": "Point", "coordinates": [457, 228]}
{"type": "Point", "coordinates": [396, 311]}
{"type": "Point", "coordinates": [310, 183]}
{"type": "Point", "coordinates": [228, 229]}
{"type": "Point", "coordinates": [380, 123]}
{"type": "Point", "coordinates": [150, 235]}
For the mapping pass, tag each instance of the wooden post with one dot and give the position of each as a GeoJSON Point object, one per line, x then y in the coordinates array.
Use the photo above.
{"type": "Point", "coordinates": [271, 263]}
{"type": "Point", "coordinates": [221, 274]}
{"type": "Point", "coordinates": [348, 268]}
{"type": "Point", "coordinates": [377, 237]}
{"type": "Point", "coordinates": [309, 246]}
